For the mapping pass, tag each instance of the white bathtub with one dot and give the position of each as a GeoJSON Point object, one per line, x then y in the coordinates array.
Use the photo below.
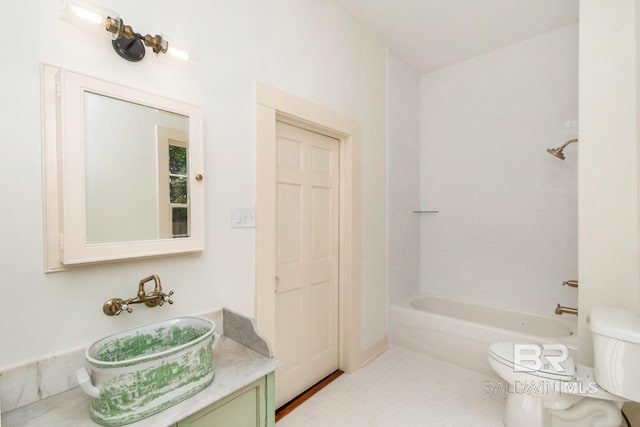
{"type": "Point", "coordinates": [460, 332]}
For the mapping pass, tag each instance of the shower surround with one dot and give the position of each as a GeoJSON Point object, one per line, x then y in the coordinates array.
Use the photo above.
{"type": "Point", "coordinates": [506, 231]}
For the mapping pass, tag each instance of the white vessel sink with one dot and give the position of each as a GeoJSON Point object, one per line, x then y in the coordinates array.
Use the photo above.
{"type": "Point", "coordinates": [138, 372]}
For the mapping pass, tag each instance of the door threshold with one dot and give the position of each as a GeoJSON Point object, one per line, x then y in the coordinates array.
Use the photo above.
{"type": "Point", "coordinates": [305, 395]}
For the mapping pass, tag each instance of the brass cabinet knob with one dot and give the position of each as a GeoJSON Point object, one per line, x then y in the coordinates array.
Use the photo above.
{"type": "Point", "coordinates": [199, 177]}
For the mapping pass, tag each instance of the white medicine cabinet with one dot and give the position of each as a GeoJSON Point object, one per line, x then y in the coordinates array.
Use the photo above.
{"type": "Point", "coordinates": [123, 172]}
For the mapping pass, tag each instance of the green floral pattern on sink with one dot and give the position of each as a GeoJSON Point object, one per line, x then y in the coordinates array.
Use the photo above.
{"type": "Point", "coordinates": [141, 372]}
{"type": "Point", "coordinates": [126, 348]}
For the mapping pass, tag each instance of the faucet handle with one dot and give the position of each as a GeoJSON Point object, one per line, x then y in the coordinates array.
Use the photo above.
{"type": "Point", "coordinates": [167, 298]}
{"type": "Point", "coordinates": [114, 306]}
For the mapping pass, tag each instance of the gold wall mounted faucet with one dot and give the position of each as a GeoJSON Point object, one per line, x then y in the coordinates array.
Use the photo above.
{"type": "Point", "coordinates": [560, 309]}
{"type": "Point", "coordinates": [114, 306]}
{"type": "Point", "coordinates": [571, 283]}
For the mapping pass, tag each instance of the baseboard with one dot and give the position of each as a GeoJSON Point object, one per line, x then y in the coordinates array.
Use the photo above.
{"type": "Point", "coordinates": [288, 407]}
{"type": "Point", "coordinates": [374, 351]}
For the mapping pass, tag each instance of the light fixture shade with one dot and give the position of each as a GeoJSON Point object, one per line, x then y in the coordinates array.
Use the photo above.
{"type": "Point", "coordinates": [182, 52]}
{"type": "Point", "coordinates": [86, 15]}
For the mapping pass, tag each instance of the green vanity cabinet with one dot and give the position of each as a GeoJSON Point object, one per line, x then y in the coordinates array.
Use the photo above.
{"type": "Point", "coordinates": [251, 406]}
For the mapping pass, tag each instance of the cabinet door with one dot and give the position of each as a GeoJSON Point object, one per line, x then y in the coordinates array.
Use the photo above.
{"type": "Point", "coordinates": [245, 408]}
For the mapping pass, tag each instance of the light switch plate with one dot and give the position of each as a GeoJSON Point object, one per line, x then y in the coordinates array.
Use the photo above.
{"type": "Point", "coordinates": [243, 218]}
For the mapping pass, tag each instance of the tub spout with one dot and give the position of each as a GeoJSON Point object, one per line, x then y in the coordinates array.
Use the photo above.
{"type": "Point", "coordinates": [560, 309]}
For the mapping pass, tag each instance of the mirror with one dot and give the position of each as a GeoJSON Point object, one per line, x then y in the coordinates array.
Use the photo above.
{"type": "Point", "coordinates": [136, 185]}
{"type": "Point", "coordinates": [124, 175]}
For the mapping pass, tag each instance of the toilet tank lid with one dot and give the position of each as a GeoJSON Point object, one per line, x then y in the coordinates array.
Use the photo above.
{"type": "Point", "coordinates": [614, 322]}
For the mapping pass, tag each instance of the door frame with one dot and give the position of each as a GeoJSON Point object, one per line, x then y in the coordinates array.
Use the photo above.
{"type": "Point", "coordinates": [273, 105]}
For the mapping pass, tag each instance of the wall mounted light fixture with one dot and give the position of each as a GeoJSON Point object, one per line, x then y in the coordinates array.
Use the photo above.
{"type": "Point", "coordinates": [129, 44]}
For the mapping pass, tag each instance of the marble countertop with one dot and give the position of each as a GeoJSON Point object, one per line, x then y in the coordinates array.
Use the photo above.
{"type": "Point", "coordinates": [235, 367]}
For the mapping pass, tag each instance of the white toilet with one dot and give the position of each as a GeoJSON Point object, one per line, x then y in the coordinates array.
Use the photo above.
{"type": "Point", "coordinates": [554, 392]}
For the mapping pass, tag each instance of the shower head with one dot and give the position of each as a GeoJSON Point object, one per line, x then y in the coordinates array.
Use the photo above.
{"type": "Point", "coordinates": [558, 152]}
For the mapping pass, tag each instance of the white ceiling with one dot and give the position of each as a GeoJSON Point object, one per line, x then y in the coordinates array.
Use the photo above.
{"type": "Point", "coordinates": [430, 34]}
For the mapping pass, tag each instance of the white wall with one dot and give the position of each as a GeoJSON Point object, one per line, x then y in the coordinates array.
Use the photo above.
{"type": "Point", "coordinates": [308, 47]}
{"type": "Point", "coordinates": [506, 233]}
{"type": "Point", "coordinates": [608, 195]}
{"type": "Point", "coordinates": [403, 139]}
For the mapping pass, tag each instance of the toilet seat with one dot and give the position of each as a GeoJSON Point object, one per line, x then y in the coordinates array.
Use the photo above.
{"type": "Point", "coordinates": [503, 353]}
{"type": "Point", "coordinates": [546, 391]}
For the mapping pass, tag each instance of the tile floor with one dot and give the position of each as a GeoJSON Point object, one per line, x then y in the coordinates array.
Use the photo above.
{"type": "Point", "coordinates": [402, 388]}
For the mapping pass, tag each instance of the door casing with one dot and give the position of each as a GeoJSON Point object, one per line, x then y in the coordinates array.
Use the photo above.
{"type": "Point", "coordinates": [274, 104]}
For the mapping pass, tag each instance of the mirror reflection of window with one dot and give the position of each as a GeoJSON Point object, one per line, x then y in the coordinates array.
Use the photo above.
{"type": "Point", "coordinates": [178, 188]}
{"type": "Point", "coordinates": [173, 201]}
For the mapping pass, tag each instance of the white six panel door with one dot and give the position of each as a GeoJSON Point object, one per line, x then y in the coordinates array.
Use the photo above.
{"type": "Point", "coordinates": [307, 183]}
